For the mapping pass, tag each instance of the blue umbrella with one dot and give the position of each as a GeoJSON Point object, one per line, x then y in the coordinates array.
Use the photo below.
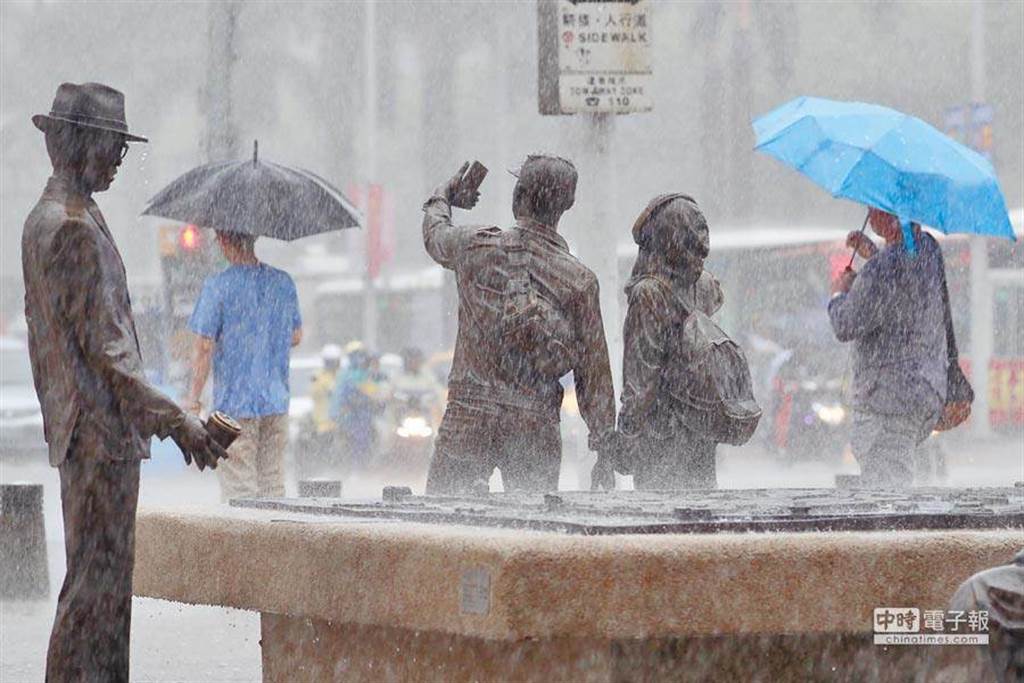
{"type": "Point", "coordinates": [895, 162]}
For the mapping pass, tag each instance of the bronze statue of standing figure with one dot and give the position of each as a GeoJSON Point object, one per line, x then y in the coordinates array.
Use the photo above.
{"type": "Point", "coordinates": [99, 411]}
{"type": "Point", "coordinates": [686, 385]}
{"type": "Point", "coordinates": [528, 315]}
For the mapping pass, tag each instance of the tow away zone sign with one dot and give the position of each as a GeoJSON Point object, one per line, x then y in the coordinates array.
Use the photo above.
{"type": "Point", "coordinates": [594, 56]}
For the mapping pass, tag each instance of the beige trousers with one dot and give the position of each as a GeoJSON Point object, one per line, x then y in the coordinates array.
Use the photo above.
{"type": "Point", "coordinates": [255, 464]}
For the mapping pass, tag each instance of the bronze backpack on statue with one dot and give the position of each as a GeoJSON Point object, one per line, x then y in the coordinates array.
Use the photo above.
{"type": "Point", "coordinates": [538, 339]}
{"type": "Point", "coordinates": [710, 385]}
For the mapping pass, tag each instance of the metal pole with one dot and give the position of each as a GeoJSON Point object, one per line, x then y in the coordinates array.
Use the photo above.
{"type": "Point", "coordinates": [370, 161]}
{"type": "Point", "coordinates": [981, 287]}
{"type": "Point", "coordinates": [221, 140]}
{"type": "Point", "coordinates": [598, 243]}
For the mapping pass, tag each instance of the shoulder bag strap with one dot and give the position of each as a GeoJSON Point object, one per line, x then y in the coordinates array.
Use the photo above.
{"type": "Point", "coordinates": [952, 354]}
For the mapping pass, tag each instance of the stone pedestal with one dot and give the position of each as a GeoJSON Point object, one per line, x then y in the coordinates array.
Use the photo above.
{"type": "Point", "coordinates": [302, 650]}
{"type": "Point", "coordinates": [384, 600]}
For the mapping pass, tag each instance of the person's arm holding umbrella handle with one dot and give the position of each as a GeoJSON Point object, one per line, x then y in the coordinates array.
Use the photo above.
{"type": "Point", "coordinates": [861, 244]}
{"type": "Point", "coordinates": [844, 282]}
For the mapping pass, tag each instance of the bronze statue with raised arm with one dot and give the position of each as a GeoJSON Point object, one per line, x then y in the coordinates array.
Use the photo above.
{"type": "Point", "coordinates": [528, 315]}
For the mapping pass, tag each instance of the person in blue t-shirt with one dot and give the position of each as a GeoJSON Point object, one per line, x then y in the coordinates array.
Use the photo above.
{"type": "Point", "coordinates": [246, 321]}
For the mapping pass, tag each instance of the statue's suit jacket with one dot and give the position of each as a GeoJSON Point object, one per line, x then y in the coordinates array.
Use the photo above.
{"type": "Point", "coordinates": [85, 353]}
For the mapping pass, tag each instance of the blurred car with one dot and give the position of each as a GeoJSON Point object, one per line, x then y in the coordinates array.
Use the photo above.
{"type": "Point", "coordinates": [21, 420]}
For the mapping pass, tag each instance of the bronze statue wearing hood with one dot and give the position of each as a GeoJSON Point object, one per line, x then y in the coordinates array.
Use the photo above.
{"type": "Point", "coordinates": [668, 441]}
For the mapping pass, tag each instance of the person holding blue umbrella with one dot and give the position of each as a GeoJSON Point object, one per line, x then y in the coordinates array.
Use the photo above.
{"type": "Point", "coordinates": [893, 312]}
{"type": "Point", "coordinates": [907, 379]}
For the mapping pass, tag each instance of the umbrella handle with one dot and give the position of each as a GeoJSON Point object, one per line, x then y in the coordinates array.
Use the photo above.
{"type": "Point", "coordinates": [909, 243]}
{"type": "Point", "coordinates": [255, 151]}
{"type": "Point", "coordinates": [854, 254]}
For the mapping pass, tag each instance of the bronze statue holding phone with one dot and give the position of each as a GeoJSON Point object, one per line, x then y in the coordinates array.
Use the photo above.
{"type": "Point", "coordinates": [528, 315]}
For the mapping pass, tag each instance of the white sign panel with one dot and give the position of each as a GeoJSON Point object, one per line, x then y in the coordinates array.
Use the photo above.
{"type": "Point", "coordinates": [604, 56]}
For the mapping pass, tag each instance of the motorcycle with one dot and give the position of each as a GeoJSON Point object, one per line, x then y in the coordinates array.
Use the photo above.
{"type": "Point", "coordinates": [412, 435]}
{"type": "Point", "coordinates": [810, 420]}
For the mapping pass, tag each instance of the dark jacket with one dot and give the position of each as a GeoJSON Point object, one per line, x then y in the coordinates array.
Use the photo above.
{"type": "Point", "coordinates": [894, 316]}
{"type": "Point", "coordinates": [82, 342]}
{"type": "Point", "coordinates": [476, 255]}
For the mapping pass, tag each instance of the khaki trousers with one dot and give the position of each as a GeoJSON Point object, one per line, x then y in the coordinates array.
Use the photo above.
{"type": "Point", "coordinates": [255, 464]}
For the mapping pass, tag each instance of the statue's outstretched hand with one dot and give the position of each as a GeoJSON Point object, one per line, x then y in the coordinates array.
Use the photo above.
{"type": "Point", "coordinates": [197, 444]}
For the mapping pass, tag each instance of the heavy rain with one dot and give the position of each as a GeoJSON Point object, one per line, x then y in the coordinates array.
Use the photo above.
{"type": "Point", "coordinates": [536, 340]}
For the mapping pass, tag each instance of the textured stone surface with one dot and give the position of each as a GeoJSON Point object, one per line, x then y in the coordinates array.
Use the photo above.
{"type": "Point", "coordinates": [301, 650]}
{"type": "Point", "coordinates": [694, 511]}
{"type": "Point", "coordinates": [546, 585]}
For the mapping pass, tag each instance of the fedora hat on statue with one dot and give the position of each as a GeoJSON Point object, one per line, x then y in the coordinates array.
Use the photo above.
{"type": "Point", "coordinates": [90, 105]}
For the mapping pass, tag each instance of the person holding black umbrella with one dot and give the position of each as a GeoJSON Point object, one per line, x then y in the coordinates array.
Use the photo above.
{"type": "Point", "coordinates": [246, 320]}
{"type": "Point", "coordinates": [99, 411]}
{"type": "Point", "coordinates": [247, 317]}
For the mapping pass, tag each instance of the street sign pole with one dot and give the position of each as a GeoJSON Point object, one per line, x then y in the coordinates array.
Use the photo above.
{"type": "Point", "coordinates": [599, 236]}
{"type": "Point", "coordinates": [981, 287]}
{"type": "Point", "coordinates": [594, 60]}
{"type": "Point", "coordinates": [370, 165]}
{"type": "Point", "coordinates": [221, 141]}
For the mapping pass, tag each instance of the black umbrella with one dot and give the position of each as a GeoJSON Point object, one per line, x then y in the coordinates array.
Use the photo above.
{"type": "Point", "coordinates": [256, 197]}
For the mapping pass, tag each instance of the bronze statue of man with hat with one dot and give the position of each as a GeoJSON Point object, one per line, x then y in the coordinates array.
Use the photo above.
{"type": "Point", "coordinates": [99, 411]}
{"type": "Point", "coordinates": [528, 315]}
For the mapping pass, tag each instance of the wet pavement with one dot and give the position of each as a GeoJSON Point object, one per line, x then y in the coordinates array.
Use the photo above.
{"type": "Point", "coordinates": [170, 641]}
{"type": "Point", "coordinates": [175, 642]}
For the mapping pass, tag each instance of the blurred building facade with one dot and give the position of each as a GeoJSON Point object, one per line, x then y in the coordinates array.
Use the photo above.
{"type": "Point", "coordinates": [457, 81]}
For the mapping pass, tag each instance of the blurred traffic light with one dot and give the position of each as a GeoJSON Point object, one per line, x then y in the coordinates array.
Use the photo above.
{"type": "Point", "coordinates": [190, 238]}
{"type": "Point", "coordinates": [187, 257]}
